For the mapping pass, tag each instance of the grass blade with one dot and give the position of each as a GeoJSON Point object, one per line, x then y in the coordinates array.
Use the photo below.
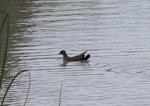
{"type": "Point", "coordinates": [4, 20]}
{"type": "Point", "coordinates": [1, 29]}
{"type": "Point", "coordinates": [3, 67]}
{"type": "Point", "coordinates": [28, 88]}
{"type": "Point", "coordinates": [10, 86]}
{"type": "Point", "coordinates": [60, 94]}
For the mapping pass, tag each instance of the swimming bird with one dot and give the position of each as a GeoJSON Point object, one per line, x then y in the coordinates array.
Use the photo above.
{"type": "Point", "coordinates": [75, 58]}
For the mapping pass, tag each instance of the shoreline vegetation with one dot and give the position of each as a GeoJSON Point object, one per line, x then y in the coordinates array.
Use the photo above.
{"type": "Point", "coordinates": [6, 6]}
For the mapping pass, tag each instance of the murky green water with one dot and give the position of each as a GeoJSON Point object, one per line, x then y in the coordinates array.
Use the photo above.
{"type": "Point", "coordinates": [115, 33]}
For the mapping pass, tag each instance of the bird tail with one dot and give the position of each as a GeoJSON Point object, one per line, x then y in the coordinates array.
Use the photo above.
{"type": "Point", "coordinates": [86, 57]}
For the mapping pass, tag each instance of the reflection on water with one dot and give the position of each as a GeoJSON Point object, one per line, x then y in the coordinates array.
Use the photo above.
{"type": "Point", "coordinates": [115, 33]}
{"type": "Point", "coordinates": [80, 62]}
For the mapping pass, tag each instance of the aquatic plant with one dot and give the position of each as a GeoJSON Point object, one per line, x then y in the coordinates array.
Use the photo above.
{"type": "Point", "coordinates": [5, 21]}
{"type": "Point", "coordinates": [60, 94]}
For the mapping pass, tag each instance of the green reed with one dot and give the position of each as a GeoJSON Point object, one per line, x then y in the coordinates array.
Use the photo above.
{"type": "Point", "coordinates": [60, 94]}
{"type": "Point", "coordinates": [5, 21]}
{"type": "Point", "coordinates": [12, 82]}
{"type": "Point", "coordinates": [6, 17]}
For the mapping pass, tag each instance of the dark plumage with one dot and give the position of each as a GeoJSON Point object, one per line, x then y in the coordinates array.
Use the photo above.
{"type": "Point", "coordinates": [75, 58]}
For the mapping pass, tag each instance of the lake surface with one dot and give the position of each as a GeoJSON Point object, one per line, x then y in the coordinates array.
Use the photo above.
{"type": "Point", "coordinates": [116, 35]}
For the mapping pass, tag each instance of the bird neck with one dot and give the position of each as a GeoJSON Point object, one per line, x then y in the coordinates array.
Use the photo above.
{"type": "Point", "coordinates": [65, 56]}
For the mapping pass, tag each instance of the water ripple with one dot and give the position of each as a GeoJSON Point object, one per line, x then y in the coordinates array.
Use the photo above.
{"type": "Point", "coordinates": [115, 33]}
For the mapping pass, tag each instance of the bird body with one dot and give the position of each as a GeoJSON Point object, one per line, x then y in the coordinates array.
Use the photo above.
{"type": "Point", "coordinates": [75, 58]}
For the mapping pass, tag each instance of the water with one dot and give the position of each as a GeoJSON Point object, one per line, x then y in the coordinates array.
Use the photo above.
{"type": "Point", "coordinates": [115, 33]}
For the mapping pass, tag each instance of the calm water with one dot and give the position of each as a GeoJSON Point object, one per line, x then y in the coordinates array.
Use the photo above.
{"type": "Point", "coordinates": [115, 33]}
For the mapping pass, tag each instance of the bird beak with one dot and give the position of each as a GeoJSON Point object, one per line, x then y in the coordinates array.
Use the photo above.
{"type": "Point", "coordinates": [59, 53]}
